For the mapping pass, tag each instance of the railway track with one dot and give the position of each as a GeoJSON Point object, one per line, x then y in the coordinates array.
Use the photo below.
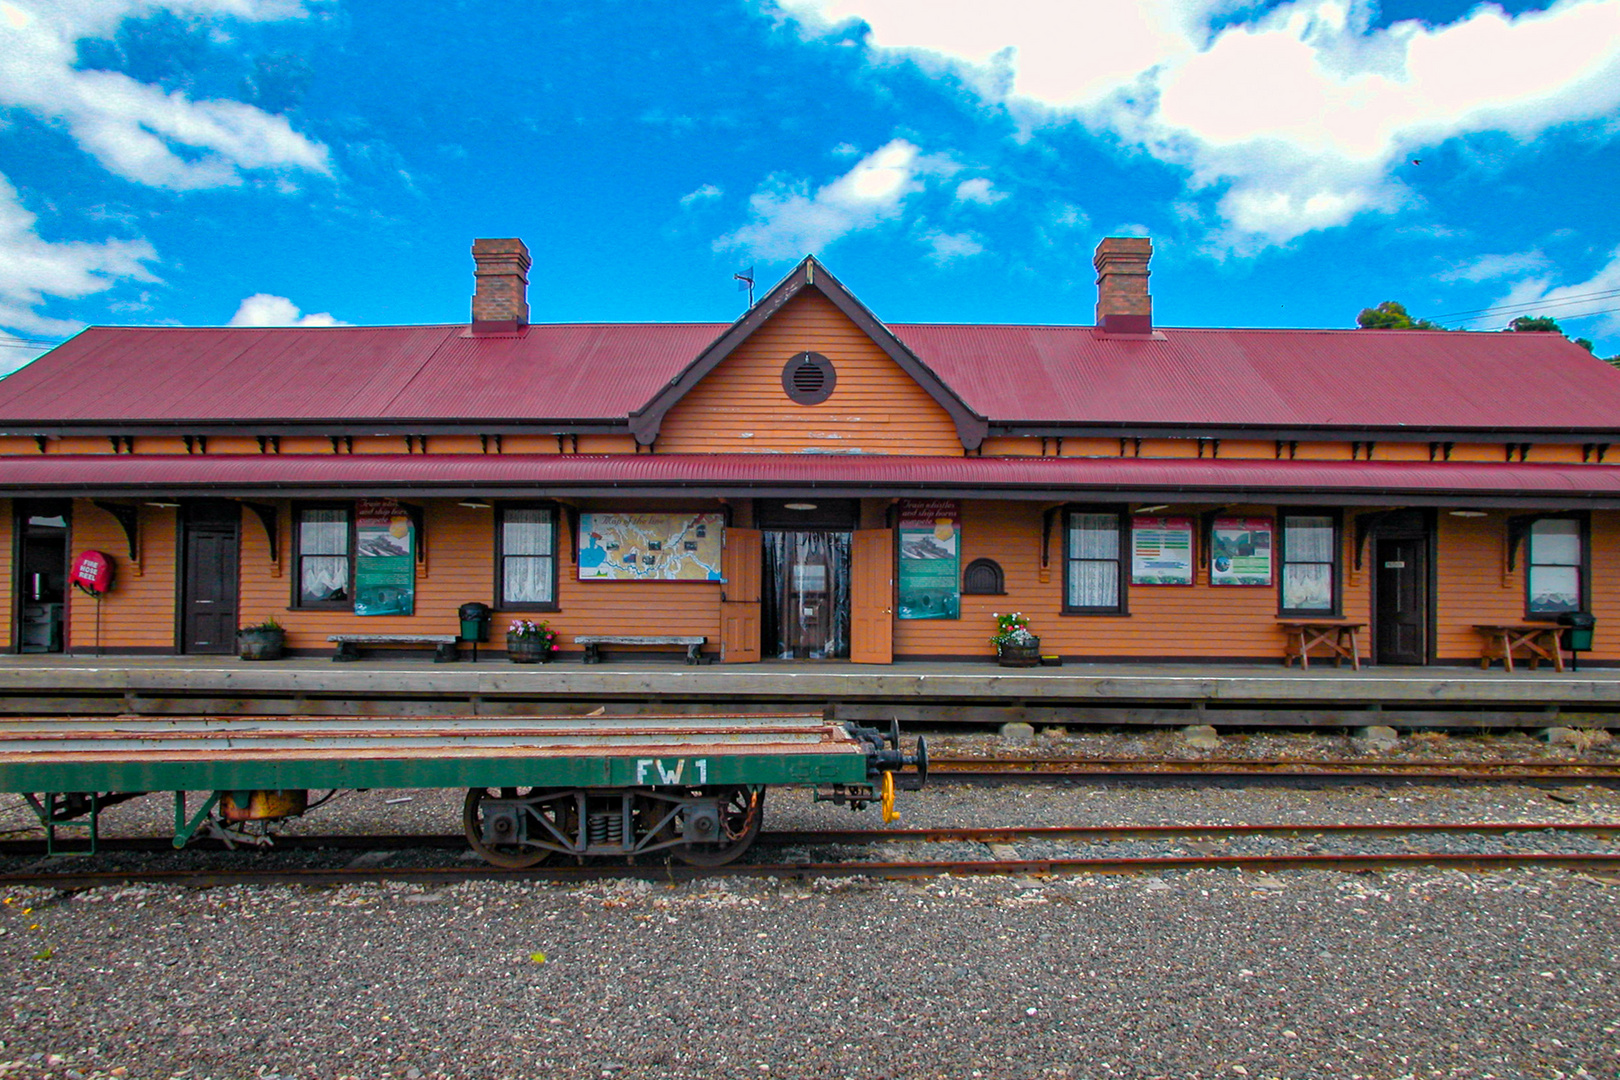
{"type": "Point", "coordinates": [1042, 768]}
{"type": "Point", "coordinates": [997, 840]}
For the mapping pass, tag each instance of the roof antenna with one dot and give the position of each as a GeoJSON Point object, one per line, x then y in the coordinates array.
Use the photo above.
{"type": "Point", "coordinates": [745, 280]}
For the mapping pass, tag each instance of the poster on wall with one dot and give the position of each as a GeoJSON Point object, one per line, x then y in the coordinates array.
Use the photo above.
{"type": "Point", "coordinates": [1161, 551]}
{"type": "Point", "coordinates": [1240, 551]}
{"type": "Point", "coordinates": [384, 558]}
{"type": "Point", "coordinates": [930, 570]}
{"type": "Point", "coordinates": [650, 547]}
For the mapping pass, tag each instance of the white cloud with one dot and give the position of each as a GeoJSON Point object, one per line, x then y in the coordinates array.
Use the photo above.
{"type": "Point", "coordinates": [789, 220]}
{"type": "Point", "coordinates": [979, 190]}
{"type": "Point", "coordinates": [948, 247]}
{"type": "Point", "coordinates": [134, 129]}
{"type": "Point", "coordinates": [1587, 309]}
{"type": "Point", "coordinates": [263, 309]}
{"type": "Point", "coordinates": [1298, 115]}
{"type": "Point", "coordinates": [706, 193]}
{"type": "Point", "coordinates": [1492, 267]}
{"type": "Point", "coordinates": [32, 268]}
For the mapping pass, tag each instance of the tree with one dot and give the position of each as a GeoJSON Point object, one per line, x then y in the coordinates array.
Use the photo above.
{"type": "Point", "coordinates": [1391, 315]}
{"type": "Point", "coordinates": [1536, 324]}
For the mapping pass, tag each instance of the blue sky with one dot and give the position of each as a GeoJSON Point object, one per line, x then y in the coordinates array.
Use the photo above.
{"type": "Point", "coordinates": [201, 162]}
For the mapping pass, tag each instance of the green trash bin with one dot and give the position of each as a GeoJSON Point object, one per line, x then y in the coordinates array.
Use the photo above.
{"type": "Point", "coordinates": [1579, 626]}
{"type": "Point", "coordinates": [474, 622]}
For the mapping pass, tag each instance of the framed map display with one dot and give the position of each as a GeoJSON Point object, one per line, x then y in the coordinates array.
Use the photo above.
{"type": "Point", "coordinates": [650, 547]}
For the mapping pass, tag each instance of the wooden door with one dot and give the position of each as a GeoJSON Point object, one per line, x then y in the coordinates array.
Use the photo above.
{"type": "Point", "coordinates": [1401, 601]}
{"type": "Point", "coordinates": [871, 597]}
{"type": "Point", "coordinates": [739, 597]}
{"type": "Point", "coordinates": [209, 601]}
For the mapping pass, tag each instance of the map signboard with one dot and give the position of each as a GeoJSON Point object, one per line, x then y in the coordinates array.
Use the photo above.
{"type": "Point", "coordinates": [650, 547]}
{"type": "Point", "coordinates": [385, 559]}
{"type": "Point", "coordinates": [930, 571]}
{"type": "Point", "coordinates": [1240, 551]}
{"type": "Point", "coordinates": [1161, 551]}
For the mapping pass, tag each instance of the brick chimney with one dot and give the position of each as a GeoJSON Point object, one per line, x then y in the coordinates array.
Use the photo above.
{"type": "Point", "coordinates": [1123, 303]}
{"type": "Point", "coordinates": [501, 286]}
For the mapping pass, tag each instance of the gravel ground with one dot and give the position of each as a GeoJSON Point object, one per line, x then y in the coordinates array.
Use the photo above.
{"type": "Point", "coordinates": [1188, 975]}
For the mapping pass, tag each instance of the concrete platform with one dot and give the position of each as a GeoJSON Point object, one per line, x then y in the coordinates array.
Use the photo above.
{"type": "Point", "coordinates": [1225, 695]}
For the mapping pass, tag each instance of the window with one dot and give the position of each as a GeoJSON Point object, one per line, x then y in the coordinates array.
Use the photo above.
{"type": "Point", "coordinates": [325, 556]}
{"type": "Point", "coordinates": [1310, 564]}
{"type": "Point", "coordinates": [1093, 577]}
{"type": "Point", "coordinates": [1555, 580]}
{"type": "Point", "coordinates": [526, 558]}
{"type": "Point", "coordinates": [983, 577]}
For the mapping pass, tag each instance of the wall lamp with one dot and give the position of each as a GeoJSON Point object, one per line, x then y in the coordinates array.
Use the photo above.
{"type": "Point", "coordinates": [1466, 513]}
{"type": "Point", "coordinates": [1151, 509]}
{"type": "Point", "coordinates": [475, 504]}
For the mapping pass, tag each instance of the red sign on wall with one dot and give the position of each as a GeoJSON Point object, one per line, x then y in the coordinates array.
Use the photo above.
{"type": "Point", "coordinates": [92, 572]}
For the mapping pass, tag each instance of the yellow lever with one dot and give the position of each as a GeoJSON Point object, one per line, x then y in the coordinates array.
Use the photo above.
{"type": "Point", "coordinates": [889, 812]}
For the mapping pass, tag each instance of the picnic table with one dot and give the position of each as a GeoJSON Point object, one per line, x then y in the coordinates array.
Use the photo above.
{"type": "Point", "coordinates": [1340, 639]}
{"type": "Point", "coordinates": [1540, 640]}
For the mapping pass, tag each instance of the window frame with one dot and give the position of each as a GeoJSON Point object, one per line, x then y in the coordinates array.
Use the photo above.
{"type": "Point", "coordinates": [501, 603]}
{"type": "Point", "coordinates": [1122, 560]}
{"type": "Point", "coordinates": [1336, 516]}
{"type": "Point", "coordinates": [1583, 568]}
{"type": "Point", "coordinates": [298, 603]}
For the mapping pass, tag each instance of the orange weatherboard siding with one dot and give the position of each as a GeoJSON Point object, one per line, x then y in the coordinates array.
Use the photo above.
{"type": "Point", "coordinates": [7, 566]}
{"type": "Point", "coordinates": [876, 408]}
{"type": "Point", "coordinates": [139, 611]}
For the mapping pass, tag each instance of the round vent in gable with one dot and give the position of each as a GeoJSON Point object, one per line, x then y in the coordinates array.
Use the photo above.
{"type": "Point", "coordinates": [809, 378]}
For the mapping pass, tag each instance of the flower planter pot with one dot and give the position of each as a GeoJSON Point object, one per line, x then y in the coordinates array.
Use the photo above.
{"type": "Point", "coordinates": [528, 650]}
{"type": "Point", "coordinates": [260, 644]}
{"type": "Point", "coordinates": [1019, 655]}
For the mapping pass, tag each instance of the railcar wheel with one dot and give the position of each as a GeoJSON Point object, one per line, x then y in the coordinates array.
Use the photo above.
{"type": "Point", "coordinates": [514, 855]}
{"type": "Point", "coordinates": [742, 809]}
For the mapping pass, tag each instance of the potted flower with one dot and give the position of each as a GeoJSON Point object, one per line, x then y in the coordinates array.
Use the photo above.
{"type": "Point", "coordinates": [530, 642]}
{"type": "Point", "coordinates": [1015, 645]}
{"type": "Point", "coordinates": [261, 641]}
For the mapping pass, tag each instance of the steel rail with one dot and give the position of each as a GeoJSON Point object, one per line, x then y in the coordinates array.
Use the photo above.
{"type": "Point", "coordinates": [442, 876]}
{"type": "Point", "coordinates": [1477, 771]}
{"type": "Point", "coordinates": [985, 835]}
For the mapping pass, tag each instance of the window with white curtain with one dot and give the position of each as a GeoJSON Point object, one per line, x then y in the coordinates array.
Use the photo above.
{"type": "Point", "coordinates": [325, 556]}
{"type": "Point", "coordinates": [1310, 564]}
{"type": "Point", "coordinates": [1093, 581]}
{"type": "Point", "coordinates": [526, 562]}
{"type": "Point", "coordinates": [1554, 578]}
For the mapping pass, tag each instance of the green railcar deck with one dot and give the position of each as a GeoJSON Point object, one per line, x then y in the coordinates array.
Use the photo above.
{"type": "Point", "coordinates": [131, 754]}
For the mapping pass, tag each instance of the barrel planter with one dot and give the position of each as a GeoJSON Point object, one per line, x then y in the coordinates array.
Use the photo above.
{"type": "Point", "coordinates": [528, 649]}
{"type": "Point", "coordinates": [1019, 655]}
{"type": "Point", "coordinates": [260, 644]}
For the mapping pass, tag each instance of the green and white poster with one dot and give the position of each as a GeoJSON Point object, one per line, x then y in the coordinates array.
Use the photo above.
{"type": "Point", "coordinates": [1240, 551]}
{"type": "Point", "coordinates": [384, 559]}
{"type": "Point", "coordinates": [1161, 551]}
{"type": "Point", "coordinates": [930, 559]}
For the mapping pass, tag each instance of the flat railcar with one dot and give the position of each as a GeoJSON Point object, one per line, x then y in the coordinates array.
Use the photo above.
{"type": "Point", "coordinates": [691, 787]}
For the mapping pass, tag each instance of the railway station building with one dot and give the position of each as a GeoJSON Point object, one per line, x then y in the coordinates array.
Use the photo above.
{"type": "Point", "coordinates": [813, 483]}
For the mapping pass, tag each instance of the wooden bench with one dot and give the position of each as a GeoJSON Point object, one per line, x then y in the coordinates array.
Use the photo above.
{"type": "Point", "coordinates": [1339, 638]}
{"type": "Point", "coordinates": [1540, 640]}
{"type": "Point", "coordinates": [348, 645]}
{"type": "Point", "coordinates": [693, 643]}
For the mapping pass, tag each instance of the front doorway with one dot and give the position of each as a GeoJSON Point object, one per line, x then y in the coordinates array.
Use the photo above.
{"type": "Point", "coordinates": [40, 596]}
{"type": "Point", "coordinates": [209, 539]}
{"type": "Point", "coordinates": [1400, 601]}
{"type": "Point", "coordinates": [805, 572]}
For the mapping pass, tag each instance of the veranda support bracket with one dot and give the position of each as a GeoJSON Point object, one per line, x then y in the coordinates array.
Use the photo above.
{"type": "Point", "coordinates": [269, 517]}
{"type": "Point", "coordinates": [130, 518]}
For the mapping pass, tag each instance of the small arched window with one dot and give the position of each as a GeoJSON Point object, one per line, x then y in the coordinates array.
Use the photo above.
{"type": "Point", "coordinates": [983, 577]}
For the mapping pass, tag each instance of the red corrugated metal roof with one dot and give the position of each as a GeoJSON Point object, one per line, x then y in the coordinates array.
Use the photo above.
{"type": "Point", "coordinates": [1272, 378]}
{"type": "Point", "coordinates": [566, 372]}
{"type": "Point", "coordinates": [396, 472]}
{"type": "Point", "coordinates": [1355, 379]}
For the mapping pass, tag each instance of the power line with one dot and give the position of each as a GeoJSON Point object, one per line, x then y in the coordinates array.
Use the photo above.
{"type": "Point", "coordinates": [1566, 317]}
{"type": "Point", "coordinates": [11, 341]}
{"type": "Point", "coordinates": [1601, 294]}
